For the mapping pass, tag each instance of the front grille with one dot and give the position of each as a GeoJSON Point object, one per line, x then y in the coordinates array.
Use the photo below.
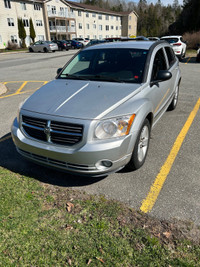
{"type": "Point", "coordinates": [55, 132]}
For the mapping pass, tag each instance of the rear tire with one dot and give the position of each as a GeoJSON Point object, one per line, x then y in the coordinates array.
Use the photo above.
{"type": "Point", "coordinates": [174, 102]}
{"type": "Point", "coordinates": [141, 147]}
{"type": "Point", "coordinates": [45, 50]}
{"type": "Point", "coordinates": [30, 50]}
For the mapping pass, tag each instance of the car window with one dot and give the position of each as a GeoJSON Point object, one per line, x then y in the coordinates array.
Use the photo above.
{"type": "Point", "coordinates": [158, 64]}
{"type": "Point", "coordinates": [170, 40]}
{"type": "Point", "coordinates": [37, 43]}
{"type": "Point", "coordinates": [125, 65]}
{"type": "Point", "coordinates": [170, 55]}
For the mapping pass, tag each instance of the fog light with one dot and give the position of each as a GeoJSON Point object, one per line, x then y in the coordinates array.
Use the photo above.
{"type": "Point", "coordinates": [104, 164]}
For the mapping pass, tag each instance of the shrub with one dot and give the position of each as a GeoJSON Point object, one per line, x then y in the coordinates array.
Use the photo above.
{"type": "Point", "coordinates": [193, 39]}
{"type": "Point", "coordinates": [12, 46]}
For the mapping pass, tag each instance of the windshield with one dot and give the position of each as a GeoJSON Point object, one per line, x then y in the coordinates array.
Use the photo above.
{"type": "Point", "coordinates": [114, 65]}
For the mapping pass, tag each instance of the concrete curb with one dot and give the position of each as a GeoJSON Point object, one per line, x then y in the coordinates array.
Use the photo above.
{"type": "Point", "coordinates": [3, 89]}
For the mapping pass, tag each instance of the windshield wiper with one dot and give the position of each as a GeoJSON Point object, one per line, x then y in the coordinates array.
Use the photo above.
{"type": "Point", "coordinates": [74, 77]}
{"type": "Point", "coordinates": [105, 78]}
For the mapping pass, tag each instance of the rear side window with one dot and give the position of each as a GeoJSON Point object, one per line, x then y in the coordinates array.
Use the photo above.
{"type": "Point", "coordinates": [170, 40]}
{"type": "Point", "coordinates": [170, 55]}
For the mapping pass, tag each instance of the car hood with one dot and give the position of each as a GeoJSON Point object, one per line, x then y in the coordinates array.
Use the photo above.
{"type": "Point", "coordinates": [79, 99]}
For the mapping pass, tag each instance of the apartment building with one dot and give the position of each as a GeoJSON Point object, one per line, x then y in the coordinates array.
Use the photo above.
{"type": "Point", "coordinates": [62, 19]}
{"type": "Point", "coordinates": [11, 10]}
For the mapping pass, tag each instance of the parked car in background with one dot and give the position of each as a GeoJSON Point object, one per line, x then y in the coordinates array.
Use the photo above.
{"type": "Point", "coordinates": [81, 40]}
{"type": "Point", "coordinates": [68, 44]}
{"type": "Point", "coordinates": [76, 44]}
{"type": "Point", "coordinates": [62, 44]}
{"type": "Point", "coordinates": [198, 55]}
{"type": "Point", "coordinates": [43, 46]}
{"type": "Point", "coordinates": [95, 41]}
{"type": "Point", "coordinates": [178, 44]}
{"type": "Point", "coordinates": [96, 116]}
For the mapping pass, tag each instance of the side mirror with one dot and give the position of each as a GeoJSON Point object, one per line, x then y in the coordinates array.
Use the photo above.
{"type": "Point", "coordinates": [163, 75]}
{"type": "Point", "coordinates": [59, 70]}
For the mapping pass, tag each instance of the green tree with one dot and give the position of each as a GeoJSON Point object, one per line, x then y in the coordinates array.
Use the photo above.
{"type": "Point", "coordinates": [32, 30]}
{"type": "Point", "coordinates": [21, 32]}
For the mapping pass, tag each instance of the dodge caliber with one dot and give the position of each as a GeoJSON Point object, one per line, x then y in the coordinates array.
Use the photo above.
{"type": "Point", "coordinates": [96, 116]}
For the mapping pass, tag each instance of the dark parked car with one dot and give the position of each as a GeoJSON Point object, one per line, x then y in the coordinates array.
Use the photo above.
{"type": "Point", "coordinates": [95, 41]}
{"type": "Point", "coordinates": [68, 43]}
{"type": "Point", "coordinates": [62, 44]}
{"type": "Point", "coordinates": [76, 44]}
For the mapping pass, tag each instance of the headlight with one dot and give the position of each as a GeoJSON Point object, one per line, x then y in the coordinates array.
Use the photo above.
{"type": "Point", "coordinates": [114, 127]}
{"type": "Point", "coordinates": [19, 108]}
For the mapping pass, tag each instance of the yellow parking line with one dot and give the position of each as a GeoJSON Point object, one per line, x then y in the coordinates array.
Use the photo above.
{"type": "Point", "coordinates": [148, 203]}
{"type": "Point", "coordinates": [5, 138]}
{"type": "Point", "coordinates": [188, 60]}
{"type": "Point", "coordinates": [21, 87]}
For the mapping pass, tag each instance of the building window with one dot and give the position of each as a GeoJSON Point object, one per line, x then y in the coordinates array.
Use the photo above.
{"type": "Point", "coordinates": [7, 4]}
{"type": "Point", "coordinates": [107, 27]}
{"type": "Point", "coordinates": [10, 22]}
{"type": "Point", "coordinates": [80, 25]}
{"type": "Point", "coordinates": [94, 37]}
{"type": "Point", "coordinates": [94, 26]}
{"type": "Point", "coordinates": [13, 38]}
{"type": "Point", "coordinates": [87, 26]}
{"type": "Point", "coordinates": [39, 23]}
{"type": "Point", "coordinates": [117, 28]}
{"type": "Point", "coordinates": [87, 15]}
{"type": "Point", "coordinates": [37, 6]}
{"type": "Point", "coordinates": [41, 37]}
{"type": "Point", "coordinates": [100, 27]}
{"type": "Point", "coordinates": [26, 22]}
{"type": "Point", "coordinates": [107, 17]}
{"type": "Point", "coordinates": [53, 10]}
{"type": "Point", "coordinates": [93, 15]}
{"type": "Point", "coordinates": [100, 16]}
{"type": "Point", "coordinates": [88, 36]}
{"type": "Point", "coordinates": [112, 17]}
{"type": "Point", "coordinates": [79, 13]}
{"type": "Point", "coordinates": [100, 37]}
{"type": "Point", "coordinates": [0, 39]}
{"type": "Point", "coordinates": [129, 27]}
{"type": "Point", "coordinates": [112, 27]}
{"type": "Point", "coordinates": [23, 5]}
{"type": "Point", "coordinates": [116, 18]}
{"type": "Point", "coordinates": [129, 17]}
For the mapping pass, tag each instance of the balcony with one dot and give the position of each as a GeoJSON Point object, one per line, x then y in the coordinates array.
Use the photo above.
{"type": "Point", "coordinates": [61, 14]}
{"type": "Point", "coordinates": [71, 29]}
{"type": "Point", "coordinates": [57, 29]}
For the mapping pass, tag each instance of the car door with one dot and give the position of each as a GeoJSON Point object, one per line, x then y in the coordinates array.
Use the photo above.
{"type": "Point", "coordinates": [35, 46]}
{"type": "Point", "coordinates": [160, 91]}
{"type": "Point", "coordinates": [172, 67]}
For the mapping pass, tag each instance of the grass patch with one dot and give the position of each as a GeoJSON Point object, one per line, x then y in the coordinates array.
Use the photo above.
{"type": "Point", "coordinates": [44, 225]}
{"type": "Point", "coordinates": [13, 50]}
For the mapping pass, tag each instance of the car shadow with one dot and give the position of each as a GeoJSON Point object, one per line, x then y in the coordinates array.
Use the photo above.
{"type": "Point", "coordinates": [10, 159]}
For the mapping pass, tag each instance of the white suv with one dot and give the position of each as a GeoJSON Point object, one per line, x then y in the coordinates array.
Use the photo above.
{"type": "Point", "coordinates": [178, 45]}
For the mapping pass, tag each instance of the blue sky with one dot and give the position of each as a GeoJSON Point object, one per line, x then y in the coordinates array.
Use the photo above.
{"type": "Point", "coordinates": [164, 2]}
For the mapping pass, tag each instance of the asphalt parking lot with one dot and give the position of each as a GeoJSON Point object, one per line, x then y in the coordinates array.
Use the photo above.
{"type": "Point", "coordinates": [167, 186]}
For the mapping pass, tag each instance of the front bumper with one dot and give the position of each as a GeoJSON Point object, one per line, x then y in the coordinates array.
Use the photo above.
{"type": "Point", "coordinates": [93, 159]}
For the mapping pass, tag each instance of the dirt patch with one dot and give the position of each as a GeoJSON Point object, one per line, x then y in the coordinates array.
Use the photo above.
{"type": "Point", "coordinates": [169, 233]}
{"type": "Point", "coordinates": [3, 89]}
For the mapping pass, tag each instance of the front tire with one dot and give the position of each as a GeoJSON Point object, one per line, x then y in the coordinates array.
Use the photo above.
{"type": "Point", "coordinates": [45, 50]}
{"type": "Point", "coordinates": [141, 147]}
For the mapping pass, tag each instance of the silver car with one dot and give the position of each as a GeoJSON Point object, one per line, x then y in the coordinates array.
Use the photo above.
{"type": "Point", "coordinates": [43, 46]}
{"type": "Point", "coordinates": [97, 115]}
